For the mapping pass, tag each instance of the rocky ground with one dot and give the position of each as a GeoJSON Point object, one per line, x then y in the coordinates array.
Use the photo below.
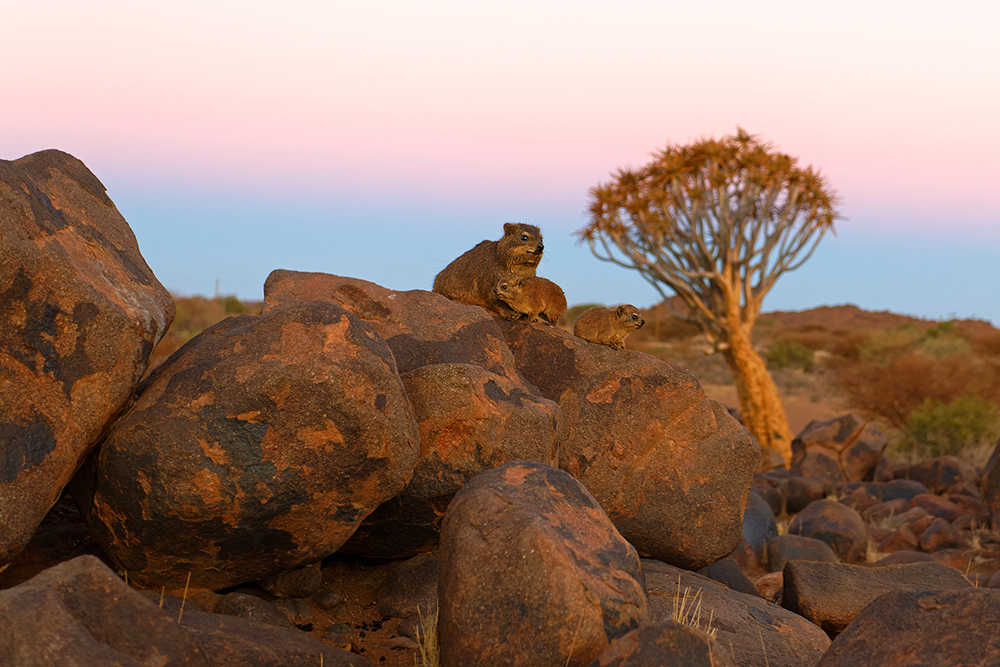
{"type": "Point", "coordinates": [296, 486]}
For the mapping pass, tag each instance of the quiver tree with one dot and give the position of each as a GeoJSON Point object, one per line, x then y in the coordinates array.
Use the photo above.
{"type": "Point", "coordinates": [715, 223]}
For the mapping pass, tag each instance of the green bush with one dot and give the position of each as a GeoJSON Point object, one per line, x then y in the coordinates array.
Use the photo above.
{"type": "Point", "coordinates": [937, 428]}
{"type": "Point", "coordinates": [231, 304]}
{"type": "Point", "coordinates": [880, 347]}
{"type": "Point", "coordinates": [790, 354]}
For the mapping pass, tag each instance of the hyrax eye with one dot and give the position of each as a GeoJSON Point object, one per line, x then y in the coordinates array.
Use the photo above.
{"type": "Point", "coordinates": [524, 237]}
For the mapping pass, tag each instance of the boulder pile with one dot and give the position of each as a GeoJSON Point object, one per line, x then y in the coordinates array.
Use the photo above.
{"type": "Point", "coordinates": [315, 484]}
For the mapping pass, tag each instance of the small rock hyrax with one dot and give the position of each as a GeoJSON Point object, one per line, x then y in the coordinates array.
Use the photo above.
{"type": "Point", "coordinates": [608, 326]}
{"type": "Point", "coordinates": [472, 277]}
{"type": "Point", "coordinates": [531, 298]}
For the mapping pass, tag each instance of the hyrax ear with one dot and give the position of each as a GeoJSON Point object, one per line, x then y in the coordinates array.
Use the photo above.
{"type": "Point", "coordinates": [621, 310]}
{"type": "Point", "coordinates": [509, 228]}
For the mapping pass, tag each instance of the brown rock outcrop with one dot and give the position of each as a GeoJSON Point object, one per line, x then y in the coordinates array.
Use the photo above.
{"type": "Point", "coordinates": [80, 312]}
{"type": "Point", "coordinates": [671, 468]}
{"type": "Point", "coordinates": [664, 643]}
{"type": "Point", "coordinates": [532, 572]}
{"type": "Point", "coordinates": [753, 631]}
{"type": "Point", "coordinates": [470, 420]}
{"type": "Point", "coordinates": [954, 627]}
{"type": "Point", "coordinates": [256, 448]}
{"type": "Point", "coordinates": [421, 328]}
{"type": "Point", "coordinates": [832, 594]}
{"type": "Point", "coordinates": [473, 407]}
{"type": "Point", "coordinates": [79, 613]}
{"type": "Point", "coordinates": [843, 449]}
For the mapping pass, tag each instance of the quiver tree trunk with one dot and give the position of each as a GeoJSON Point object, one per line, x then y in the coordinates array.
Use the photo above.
{"type": "Point", "coordinates": [761, 407]}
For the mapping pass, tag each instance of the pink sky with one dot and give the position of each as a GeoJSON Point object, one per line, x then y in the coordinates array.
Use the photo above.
{"type": "Point", "coordinates": [525, 102]}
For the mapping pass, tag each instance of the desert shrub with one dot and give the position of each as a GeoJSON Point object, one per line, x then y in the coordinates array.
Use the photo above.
{"type": "Point", "coordinates": [846, 344]}
{"type": "Point", "coordinates": [882, 346]}
{"type": "Point", "coordinates": [937, 428]}
{"type": "Point", "coordinates": [987, 343]}
{"type": "Point", "coordinates": [790, 354]}
{"type": "Point", "coordinates": [232, 305]}
{"type": "Point", "coordinates": [892, 392]}
{"type": "Point", "coordinates": [194, 315]}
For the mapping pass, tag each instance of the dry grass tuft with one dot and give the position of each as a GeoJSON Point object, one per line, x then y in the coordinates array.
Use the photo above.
{"type": "Point", "coordinates": [687, 610]}
{"type": "Point", "coordinates": [427, 640]}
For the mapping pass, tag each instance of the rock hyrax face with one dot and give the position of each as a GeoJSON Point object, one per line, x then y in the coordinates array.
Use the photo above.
{"type": "Point", "coordinates": [630, 317]}
{"type": "Point", "coordinates": [523, 241]}
{"type": "Point", "coordinates": [508, 287]}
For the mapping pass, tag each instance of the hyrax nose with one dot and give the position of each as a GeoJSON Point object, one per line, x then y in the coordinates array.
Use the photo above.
{"type": "Point", "coordinates": [541, 247]}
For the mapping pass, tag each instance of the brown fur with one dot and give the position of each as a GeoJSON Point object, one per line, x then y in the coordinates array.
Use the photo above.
{"type": "Point", "coordinates": [608, 326]}
{"type": "Point", "coordinates": [532, 298]}
{"type": "Point", "coordinates": [472, 277]}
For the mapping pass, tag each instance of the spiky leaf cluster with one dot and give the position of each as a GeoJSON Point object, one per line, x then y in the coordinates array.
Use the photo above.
{"type": "Point", "coordinates": [715, 222]}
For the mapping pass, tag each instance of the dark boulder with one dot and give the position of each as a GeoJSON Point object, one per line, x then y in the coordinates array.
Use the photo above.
{"type": "Point", "coordinates": [80, 614]}
{"type": "Point", "coordinates": [837, 525]}
{"type": "Point", "coordinates": [753, 631]}
{"type": "Point", "coordinates": [532, 572]}
{"type": "Point", "coordinates": [664, 643]}
{"type": "Point", "coordinates": [80, 313]}
{"type": "Point", "coordinates": [832, 594]}
{"type": "Point", "coordinates": [929, 628]}
{"type": "Point", "coordinates": [786, 548]}
{"type": "Point", "coordinates": [843, 449]}
{"type": "Point", "coordinates": [671, 468]}
{"type": "Point", "coordinates": [258, 447]}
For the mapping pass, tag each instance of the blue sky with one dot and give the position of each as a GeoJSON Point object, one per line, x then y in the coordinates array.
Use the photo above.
{"type": "Point", "coordinates": [380, 140]}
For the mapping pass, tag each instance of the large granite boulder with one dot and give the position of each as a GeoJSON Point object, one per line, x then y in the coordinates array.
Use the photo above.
{"type": "Point", "coordinates": [257, 447]}
{"type": "Point", "coordinates": [671, 468]}
{"type": "Point", "coordinates": [473, 407]}
{"type": "Point", "coordinates": [533, 573]}
{"type": "Point", "coordinates": [80, 312]}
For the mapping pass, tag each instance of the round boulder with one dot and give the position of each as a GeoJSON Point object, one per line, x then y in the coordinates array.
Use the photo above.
{"type": "Point", "coordinates": [532, 572]}
{"type": "Point", "coordinates": [671, 468]}
{"type": "Point", "coordinates": [80, 312]}
{"type": "Point", "coordinates": [257, 448]}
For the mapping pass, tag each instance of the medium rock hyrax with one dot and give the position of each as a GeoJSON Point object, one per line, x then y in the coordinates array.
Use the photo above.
{"type": "Point", "coordinates": [608, 326]}
{"type": "Point", "coordinates": [531, 298]}
{"type": "Point", "coordinates": [472, 277]}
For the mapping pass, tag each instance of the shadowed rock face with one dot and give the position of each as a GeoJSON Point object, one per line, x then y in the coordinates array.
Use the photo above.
{"type": "Point", "coordinates": [256, 448]}
{"type": "Point", "coordinates": [81, 613]}
{"type": "Point", "coordinates": [671, 468]}
{"type": "Point", "coordinates": [80, 313]}
{"type": "Point", "coordinates": [470, 420]}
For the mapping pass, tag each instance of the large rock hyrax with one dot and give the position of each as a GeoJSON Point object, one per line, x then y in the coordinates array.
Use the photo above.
{"type": "Point", "coordinates": [608, 326]}
{"type": "Point", "coordinates": [472, 277]}
{"type": "Point", "coordinates": [531, 298]}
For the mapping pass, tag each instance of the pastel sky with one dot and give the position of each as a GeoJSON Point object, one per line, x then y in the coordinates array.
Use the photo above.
{"type": "Point", "coordinates": [380, 140]}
